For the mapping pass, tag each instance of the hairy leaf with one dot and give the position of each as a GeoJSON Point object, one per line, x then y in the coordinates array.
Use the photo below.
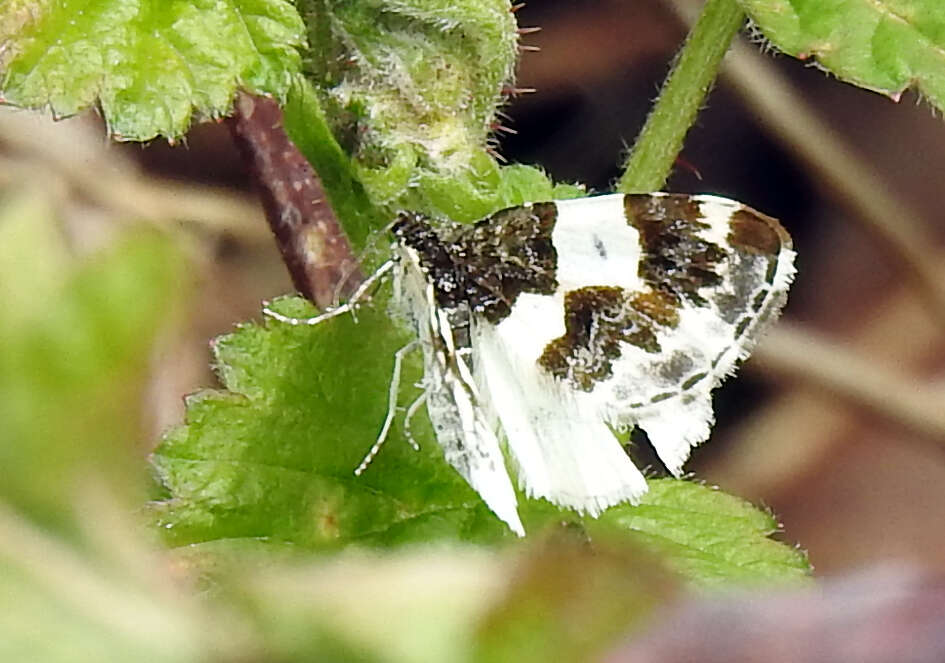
{"type": "Point", "coordinates": [882, 45]}
{"type": "Point", "coordinates": [708, 535]}
{"type": "Point", "coordinates": [149, 65]}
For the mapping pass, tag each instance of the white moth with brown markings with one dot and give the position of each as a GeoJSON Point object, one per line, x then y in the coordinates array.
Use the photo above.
{"type": "Point", "coordinates": [555, 324]}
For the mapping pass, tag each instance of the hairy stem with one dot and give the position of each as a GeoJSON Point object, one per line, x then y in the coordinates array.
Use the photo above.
{"type": "Point", "coordinates": [697, 64]}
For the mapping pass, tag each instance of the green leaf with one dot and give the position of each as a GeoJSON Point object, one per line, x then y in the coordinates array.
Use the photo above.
{"type": "Point", "coordinates": [273, 457]}
{"type": "Point", "coordinates": [76, 338]}
{"type": "Point", "coordinates": [271, 460]}
{"type": "Point", "coordinates": [149, 65]}
{"type": "Point", "coordinates": [881, 45]}
{"type": "Point", "coordinates": [707, 535]}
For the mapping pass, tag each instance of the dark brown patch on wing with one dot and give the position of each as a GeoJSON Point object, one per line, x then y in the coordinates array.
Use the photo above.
{"type": "Point", "coordinates": [755, 234]}
{"type": "Point", "coordinates": [675, 260]}
{"type": "Point", "coordinates": [489, 264]}
{"type": "Point", "coordinates": [760, 298]}
{"type": "Point", "coordinates": [659, 306]}
{"type": "Point", "coordinates": [752, 231]}
{"type": "Point", "coordinates": [596, 320]}
{"type": "Point", "coordinates": [693, 381]}
{"type": "Point", "coordinates": [743, 324]}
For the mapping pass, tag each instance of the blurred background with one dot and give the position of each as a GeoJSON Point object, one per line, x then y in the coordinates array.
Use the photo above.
{"type": "Point", "coordinates": [837, 423]}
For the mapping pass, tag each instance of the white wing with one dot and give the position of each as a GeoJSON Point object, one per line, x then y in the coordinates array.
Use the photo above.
{"type": "Point", "coordinates": [564, 452]}
{"type": "Point", "coordinates": [668, 393]}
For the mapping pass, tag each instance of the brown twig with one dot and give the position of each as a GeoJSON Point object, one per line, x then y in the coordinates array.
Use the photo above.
{"type": "Point", "coordinates": [313, 245]}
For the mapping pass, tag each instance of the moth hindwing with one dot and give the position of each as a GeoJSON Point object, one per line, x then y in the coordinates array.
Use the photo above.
{"type": "Point", "coordinates": [554, 324]}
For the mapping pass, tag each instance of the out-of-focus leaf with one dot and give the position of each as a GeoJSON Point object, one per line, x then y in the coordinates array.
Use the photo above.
{"type": "Point", "coordinates": [77, 334]}
{"type": "Point", "coordinates": [76, 338]}
{"type": "Point", "coordinates": [570, 600]}
{"type": "Point", "coordinates": [418, 605]}
{"type": "Point", "coordinates": [62, 605]}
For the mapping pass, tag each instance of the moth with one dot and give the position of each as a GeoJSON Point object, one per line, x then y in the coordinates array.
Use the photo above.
{"type": "Point", "coordinates": [548, 328]}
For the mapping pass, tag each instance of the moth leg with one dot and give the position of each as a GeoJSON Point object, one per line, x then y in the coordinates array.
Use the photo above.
{"type": "Point", "coordinates": [391, 407]}
{"type": "Point", "coordinates": [412, 410]}
{"type": "Point", "coordinates": [348, 306]}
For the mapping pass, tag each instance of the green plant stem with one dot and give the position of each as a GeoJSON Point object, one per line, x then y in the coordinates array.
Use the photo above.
{"type": "Point", "coordinates": [697, 64]}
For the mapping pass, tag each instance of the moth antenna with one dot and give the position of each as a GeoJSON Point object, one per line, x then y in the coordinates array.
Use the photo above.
{"type": "Point", "coordinates": [314, 320]}
{"type": "Point", "coordinates": [349, 305]}
{"type": "Point", "coordinates": [391, 408]}
{"type": "Point", "coordinates": [369, 249]}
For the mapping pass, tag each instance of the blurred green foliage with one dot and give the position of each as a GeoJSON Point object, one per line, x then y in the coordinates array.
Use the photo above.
{"type": "Point", "coordinates": [77, 338]}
